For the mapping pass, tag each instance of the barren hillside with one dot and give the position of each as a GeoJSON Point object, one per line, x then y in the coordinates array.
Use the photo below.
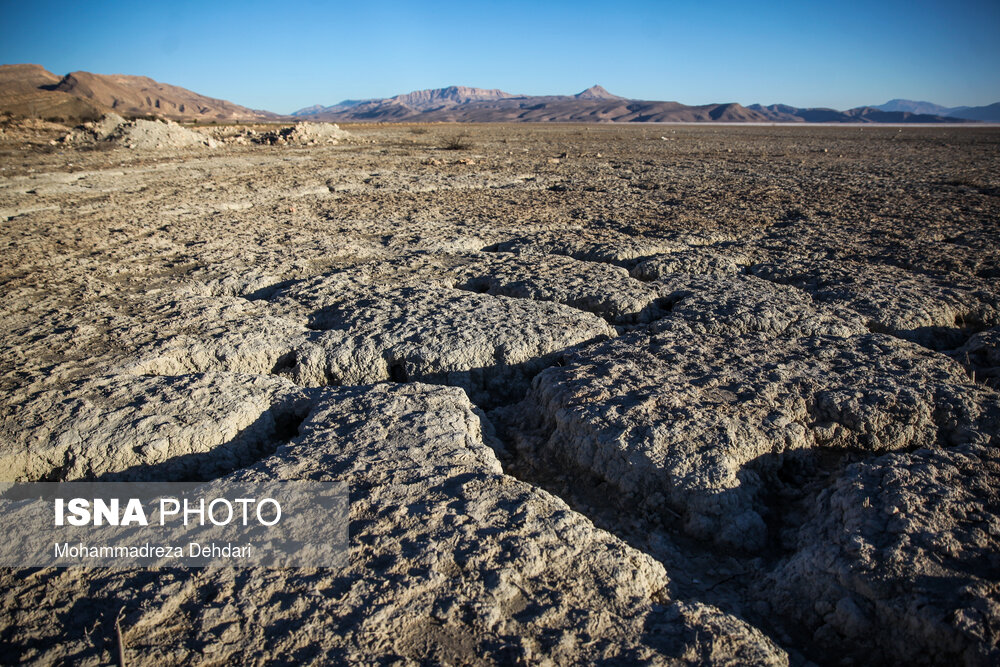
{"type": "Point", "coordinates": [31, 90]}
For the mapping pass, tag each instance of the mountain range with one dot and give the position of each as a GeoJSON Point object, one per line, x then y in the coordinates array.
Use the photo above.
{"type": "Point", "coordinates": [463, 104]}
{"type": "Point", "coordinates": [31, 90]}
{"type": "Point", "coordinates": [989, 113]}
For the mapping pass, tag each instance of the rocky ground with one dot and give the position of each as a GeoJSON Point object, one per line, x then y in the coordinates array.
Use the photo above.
{"type": "Point", "coordinates": [654, 394]}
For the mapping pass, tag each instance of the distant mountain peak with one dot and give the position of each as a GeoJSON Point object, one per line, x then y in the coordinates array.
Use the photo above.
{"type": "Point", "coordinates": [596, 92]}
{"type": "Point", "coordinates": [305, 111]}
{"type": "Point", "coordinates": [913, 106]}
{"type": "Point", "coordinates": [423, 99]}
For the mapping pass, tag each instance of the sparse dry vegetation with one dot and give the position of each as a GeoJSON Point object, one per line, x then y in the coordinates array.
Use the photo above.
{"type": "Point", "coordinates": [456, 142]}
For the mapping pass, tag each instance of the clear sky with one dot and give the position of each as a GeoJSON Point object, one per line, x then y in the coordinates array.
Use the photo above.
{"type": "Point", "coordinates": [837, 54]}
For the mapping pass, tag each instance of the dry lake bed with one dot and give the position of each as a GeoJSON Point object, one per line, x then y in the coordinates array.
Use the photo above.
{"type": "Point", "coordinates": [602, 394]}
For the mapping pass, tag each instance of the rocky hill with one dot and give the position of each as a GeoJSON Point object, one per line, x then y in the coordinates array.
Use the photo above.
{"type": "Point", "coordinates": [31, 90]}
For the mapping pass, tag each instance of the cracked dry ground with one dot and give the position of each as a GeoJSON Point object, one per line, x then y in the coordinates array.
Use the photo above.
{"type": "Point", "coordinates": [601, 394]}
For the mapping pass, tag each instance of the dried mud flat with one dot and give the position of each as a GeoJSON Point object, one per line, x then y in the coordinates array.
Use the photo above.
{"type": "Point", "coordinates": [655, 394]}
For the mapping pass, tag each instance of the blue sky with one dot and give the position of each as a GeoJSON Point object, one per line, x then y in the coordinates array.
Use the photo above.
{"type": "Point", "coordinates": [264, 56]}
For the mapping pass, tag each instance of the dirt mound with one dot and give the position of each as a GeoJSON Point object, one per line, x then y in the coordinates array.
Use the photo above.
{"type": "Point", "coordinates": [300, 134]}
{"type": "Point", "coordinates": [140, 134]}
{"type": "Point", "coordinates": [304, 134]}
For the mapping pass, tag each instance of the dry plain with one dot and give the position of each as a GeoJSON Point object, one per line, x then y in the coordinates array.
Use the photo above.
{"type": "Point", "coordinates": [637, 394]}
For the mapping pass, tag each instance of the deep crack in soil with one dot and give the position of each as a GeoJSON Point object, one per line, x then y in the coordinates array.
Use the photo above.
{"type": "Point", "coordinates": [762, 361]}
